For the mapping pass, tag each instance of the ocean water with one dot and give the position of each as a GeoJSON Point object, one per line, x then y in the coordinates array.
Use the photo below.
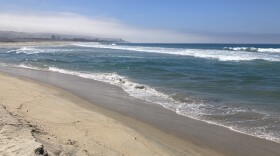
{"type": "Point", "coordinates": [234, 86]}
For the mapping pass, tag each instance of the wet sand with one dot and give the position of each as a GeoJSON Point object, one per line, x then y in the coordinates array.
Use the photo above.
{"type": "Point", "coordinates": [172, 131]}
{"type": "Point", "coordinates": [37, 119]}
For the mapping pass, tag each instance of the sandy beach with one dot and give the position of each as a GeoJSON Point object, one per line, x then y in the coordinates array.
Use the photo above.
{"type": "Point", "coordinates": [139, 78]}
{"type": "Point", "coordinates": [69, 114]}
{"type": "Point", "coordinates": [40, 119]}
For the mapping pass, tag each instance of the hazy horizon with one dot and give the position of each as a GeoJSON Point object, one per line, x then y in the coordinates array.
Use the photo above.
{"type": "Point", "coordinates": [148, 22]}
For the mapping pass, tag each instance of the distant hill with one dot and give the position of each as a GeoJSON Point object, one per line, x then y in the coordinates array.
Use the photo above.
{"type": "Point", "coordinates": [12, 36]}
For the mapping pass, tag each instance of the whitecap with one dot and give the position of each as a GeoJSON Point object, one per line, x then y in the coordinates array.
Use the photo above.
{"type": "Point", "coordinates": [227, 54]}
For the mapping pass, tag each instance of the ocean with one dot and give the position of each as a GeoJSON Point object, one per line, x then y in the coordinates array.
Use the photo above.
{"type": "Point", "coordinates": [236, 86]}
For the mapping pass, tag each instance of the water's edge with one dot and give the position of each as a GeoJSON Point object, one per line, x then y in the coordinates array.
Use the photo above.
{"type": "Point", "coordinates": [49, 78]}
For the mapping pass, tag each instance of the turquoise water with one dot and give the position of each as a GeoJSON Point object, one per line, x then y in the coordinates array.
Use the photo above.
{"type": "Point", "coordinates": [235, 86]}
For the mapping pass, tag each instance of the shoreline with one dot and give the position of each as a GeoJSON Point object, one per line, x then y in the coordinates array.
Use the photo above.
{"type": "Point", "coordinates": [193, 138]}
{"type": "Point", "coordinates": [50, 138]}
{"type": "Point", "coordinates": [35, 43]}
{"type": "Point", "coordinates": [268, 135]}
{"type": "Point", "coordinates": [200, 120]}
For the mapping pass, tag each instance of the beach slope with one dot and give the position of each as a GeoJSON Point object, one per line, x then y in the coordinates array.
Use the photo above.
{"type": "Point", "coordinates": [40, 119]}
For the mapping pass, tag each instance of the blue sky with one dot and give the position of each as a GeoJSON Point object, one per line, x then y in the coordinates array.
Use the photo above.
{"type": "Point", "coordinates": [248, 21]}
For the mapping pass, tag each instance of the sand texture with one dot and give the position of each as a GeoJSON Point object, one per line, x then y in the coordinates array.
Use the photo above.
{"type": "Point", "coordinates": [37, 119]}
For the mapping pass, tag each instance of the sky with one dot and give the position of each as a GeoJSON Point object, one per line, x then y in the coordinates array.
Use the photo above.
{"type": "Point", "coordinates": [173, 21]}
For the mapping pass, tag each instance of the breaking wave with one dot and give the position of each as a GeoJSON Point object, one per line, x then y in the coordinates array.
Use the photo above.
{"type": "Point", "coordinates": [253, 49]}
{"type": "Point", "coordinates": [197, 109]}
{"type": "Point", "coordinates": [226, 54]}
{"type": "Point", "coordinates": [36, 50]}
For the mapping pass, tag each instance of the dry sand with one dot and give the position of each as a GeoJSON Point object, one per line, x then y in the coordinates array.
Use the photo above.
{"type": "Point", "coordinates": [38, 119]}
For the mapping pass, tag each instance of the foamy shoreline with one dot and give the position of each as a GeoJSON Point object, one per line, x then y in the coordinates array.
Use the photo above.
{"type": "Point", "coordinates": [49, 120]}
{"type": "Point", "coordinates": [122, 82]}
{"type": "Point", "coordinates": [183, 134]}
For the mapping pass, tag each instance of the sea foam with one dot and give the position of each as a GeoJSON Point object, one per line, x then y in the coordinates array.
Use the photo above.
{"type": "Point", "coordinates": [196, 109]}
{"type": "Point", "coordinates": [253, 49]}
{"type": "Point", "coordinates": [226, 54]}
{"type": "Point", "coordinates": [29, 50]}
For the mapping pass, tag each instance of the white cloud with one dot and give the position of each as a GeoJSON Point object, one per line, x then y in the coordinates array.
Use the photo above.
{"type": "Point", "coordinates": [69, 23]}
{"type": "Point", "coordinates": [81, 25]}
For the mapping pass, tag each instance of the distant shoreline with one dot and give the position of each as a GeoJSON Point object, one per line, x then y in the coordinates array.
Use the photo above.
{"type": "Point", "coordinates": [35, 43]}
